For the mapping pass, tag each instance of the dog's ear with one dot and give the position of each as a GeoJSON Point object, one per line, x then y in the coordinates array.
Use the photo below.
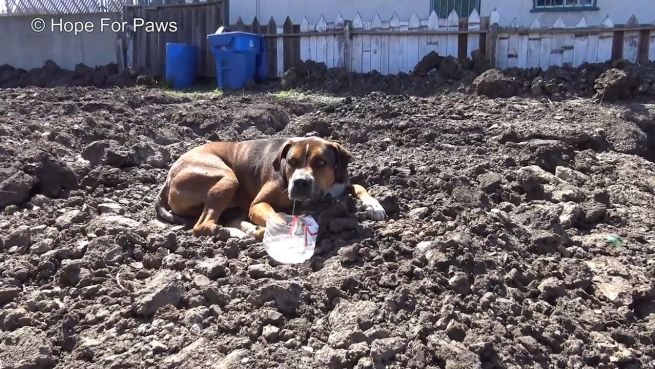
{"type": "Point", "coordinates": [342, 158]}
{"type": "Point", "coordinates": [282, 153]}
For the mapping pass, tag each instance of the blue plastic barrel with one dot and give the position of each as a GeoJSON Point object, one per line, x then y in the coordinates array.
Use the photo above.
{"type": "Point", "coordinates": [181, 65]}
{"type": "Point", "coordinates": [236, 55]}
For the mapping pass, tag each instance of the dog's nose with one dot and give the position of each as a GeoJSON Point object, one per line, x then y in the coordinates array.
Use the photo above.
{"type": "Point", "coordinates": [302, 184]}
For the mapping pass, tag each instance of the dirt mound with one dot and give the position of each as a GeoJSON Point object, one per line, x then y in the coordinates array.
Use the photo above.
{"type": "Point", "coordinates": [520, 234]}
{"type": "Point", "coordinates": [434, 74]}
{"type": "Point", "coordinates": [51, 75]}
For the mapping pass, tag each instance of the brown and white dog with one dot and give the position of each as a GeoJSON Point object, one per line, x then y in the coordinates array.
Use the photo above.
{"type": "Point", "coordinates": [262, 177]}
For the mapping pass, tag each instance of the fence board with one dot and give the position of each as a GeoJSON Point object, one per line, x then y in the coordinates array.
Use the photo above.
{"type": "Point", "coordinates": [651, 47]}
{"type": "Point", "coordinates": [356, 54]}
{"type": "Point", "coordinates": [630, 46]}
{"type": "Point", "coordinates": [194, 23]}
{"type": "Point", "coordinates": [546, 50]}
{"type": "Point", "coordinates": [271, 47]}
{"type": "Point", "coordinates": [512, 50]}
{"type": "Point", "coordinates": [644, 40]}
{"type": "Point", "coordinates": [523, 51]}
{"type": "Point", "coordinates": [279, 51]}
{"type": "Point", "coordinates": [305, 48]}
{"type": "Point", "coordinates": [592, 48]}
{"type": "Point", "coordinates": [394, 46]}
{"type": "Point", "coordinates": [568, 49]}
{"type": "Point", "coordinates": [473, 39]}
{"type": "Point", "coordinates": [580, 49]}
{"type": "Point", "coordinates": [452, 39]}
{"type": "Point", "coordinates": [404, 58]}
{"type": "Point", "coordinates": [502, 52]}
{"type": "Point", "coordinates": [289, 53]}
{"type": "Point", "coordinates": [534, 51]}
{"type": "Point", "coordinates": [16, 7]}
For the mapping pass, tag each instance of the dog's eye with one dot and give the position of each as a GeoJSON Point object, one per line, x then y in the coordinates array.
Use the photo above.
{"type": "Point", "coordinates": [319, 163]}
{"type": "Point", "coordinates": [293, 162]}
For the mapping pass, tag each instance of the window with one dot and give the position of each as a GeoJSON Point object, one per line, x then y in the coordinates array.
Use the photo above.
{"type": "Point", "coordinates": [462, 7]}
{"type": "Point", "coordinates": [564, 5]}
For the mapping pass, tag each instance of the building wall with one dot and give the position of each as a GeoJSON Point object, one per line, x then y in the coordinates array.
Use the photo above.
{"type": "Point", "coordinates": [23, 48]}
{"type": "Point", "coordinates": [313, 9]}
{"type": "Point", "coordinates": [619, 11]}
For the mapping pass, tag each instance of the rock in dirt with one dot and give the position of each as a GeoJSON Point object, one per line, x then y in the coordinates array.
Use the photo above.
{"type": "Point", "coordinates": [112, 153]}
{"type": "Point", "coordinates": [8, 294]}
{"type": "Point", "coordinates": [213, 268]}
{"type": "Point", "coordinates": [287, 296]}
{"type": "Point", "coordinates": [615, 84]}
{"type": "Point", "coordinates": [493, 83]}
{"type": "Point", "coordinates": [331, 358]}
{"type": "Point", "coordinates": [69, 273]}
{"type": "Point", "coordinates": [20, 238]}
{"type": "Point", "coordinates": [25, 348]}
{"type": "Point", "coordinates": [71, 217]}
{"type": "Point", "coordinates": [11, 319]}
{"type": "Point", "coordinates": [419, 213]}
{"type": "Point", "coordinates": [111, 224]}
{"type": "Point", "coordinates": [15, 188]}
{"type": "Point", "coordinates": [428, 62]}
{"type": "Point", "coordinates": [551, 288]}
{"type": "Point", "coordinates": [618, 283]}
{"type": "Point", "coordinates": [162, 289]}
{"type": "Point", "coordinates": [383, 350]}
{"type": "Point", "coordinates": [453, 354]}
{"type": "Point", "coordinates": [53, 175]}
{"type": "Point", "coordinates": [233, 360]}
{"type": "Point", "coordinates": [490, 181]}
{"type": "Point", "coordinates": [348, 322]}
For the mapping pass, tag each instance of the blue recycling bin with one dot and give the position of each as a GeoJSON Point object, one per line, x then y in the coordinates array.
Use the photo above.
{"type": "Point", "coordinates": [181, 65]}
{"type": "Point", "coordinates": [239, 58]}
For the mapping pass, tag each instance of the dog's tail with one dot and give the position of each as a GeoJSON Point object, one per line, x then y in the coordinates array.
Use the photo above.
{"type": "Point", "coordinates": [164, 213]}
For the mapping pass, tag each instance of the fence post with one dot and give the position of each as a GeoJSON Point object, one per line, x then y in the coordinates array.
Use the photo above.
{"type": "Point", "coordinates": [271, 47]}
{"type": "Point", "coordinates": [492, 38]}
{"type": "Point", "coordinates": [347, 45]}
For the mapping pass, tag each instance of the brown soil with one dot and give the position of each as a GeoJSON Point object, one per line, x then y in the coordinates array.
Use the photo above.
{"type": "Point", "coordinates": [521, 235]}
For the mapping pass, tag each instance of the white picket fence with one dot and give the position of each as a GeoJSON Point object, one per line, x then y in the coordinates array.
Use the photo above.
{"type": "Point", "coordinates": [396, 46]}
{"type": "Point", "coordinates": [572, 45]}
{"type": "Point", "coordinates": [389, 47]}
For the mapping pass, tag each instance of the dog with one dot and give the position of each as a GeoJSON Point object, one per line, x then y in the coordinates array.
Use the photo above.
{"type": "Point", "coordinates": [262, 177]}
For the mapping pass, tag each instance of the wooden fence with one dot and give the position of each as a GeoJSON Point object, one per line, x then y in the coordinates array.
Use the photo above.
{"type": "Point", "coordinates": [387, 46]}
{"type": "Point", "coordinates": [393, 46]}
{"type": "Point", "coordinates": [573, 45]}
{"type": "Point", "coordinates": [194, 22]}
{"type": "Point", "coordinates": [60, 7]}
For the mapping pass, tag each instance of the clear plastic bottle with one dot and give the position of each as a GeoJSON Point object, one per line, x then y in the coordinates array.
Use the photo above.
{"type": "Point", "coordinates": [293, 241]}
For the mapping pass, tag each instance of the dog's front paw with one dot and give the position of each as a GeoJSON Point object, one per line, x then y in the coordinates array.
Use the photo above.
{"type": "Point", "coordinates": [257, 233]}
{"type": "Point", "coordinates": [374, 209]}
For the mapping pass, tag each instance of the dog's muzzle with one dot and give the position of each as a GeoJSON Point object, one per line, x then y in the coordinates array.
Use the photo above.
{"type": "Point", "coordinates": [302, 187]}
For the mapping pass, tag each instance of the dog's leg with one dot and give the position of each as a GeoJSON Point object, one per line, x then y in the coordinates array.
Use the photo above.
{"type": "Point", "coordinates": [240, 228]}
{"type": "Point", "coordinates": [261, 209]}
{"type": "Point", "coordinates": [372, 206]}
{"type": "Point", "coordinates": [218, 199]}
{"type": "Point", "coordinates": [259, 214]}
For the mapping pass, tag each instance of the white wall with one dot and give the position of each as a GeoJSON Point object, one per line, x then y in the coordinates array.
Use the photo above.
{"type": "Point", "coordinates": [619, 11]}
{"type": "Point", "coordinates": [23, 48]}
{"type": "Point", "coordinates": [313, 9]}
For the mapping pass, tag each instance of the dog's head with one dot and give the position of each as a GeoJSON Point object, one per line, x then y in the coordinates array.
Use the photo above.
{"type": "Point", "coordinates": [312, 167]}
